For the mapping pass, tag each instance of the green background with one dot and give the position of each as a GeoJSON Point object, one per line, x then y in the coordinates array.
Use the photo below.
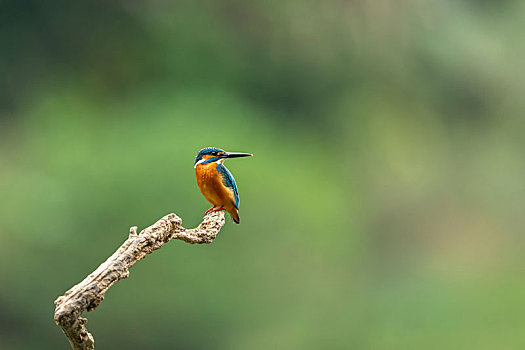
{"type": "Point", "coordinates": [383, 209]}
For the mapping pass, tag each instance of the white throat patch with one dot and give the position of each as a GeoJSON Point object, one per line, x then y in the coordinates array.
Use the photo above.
{"type": "Point", "coordinates": [220, 161]}
{"type": "Point", "coordinates": [199, 162]}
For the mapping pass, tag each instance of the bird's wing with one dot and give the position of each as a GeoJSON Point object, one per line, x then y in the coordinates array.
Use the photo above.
{"type": "Point", "coordinates": [229, 181]}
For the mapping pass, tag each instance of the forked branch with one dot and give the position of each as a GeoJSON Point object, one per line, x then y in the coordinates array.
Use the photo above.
{"type": "Point", "coordinates": [89, 293]}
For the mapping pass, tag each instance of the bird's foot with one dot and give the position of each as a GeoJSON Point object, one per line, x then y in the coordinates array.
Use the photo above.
{"type": "Point", "coordinates": [214, 209]}
{"type": "Point", "coordinates": [209, 210]}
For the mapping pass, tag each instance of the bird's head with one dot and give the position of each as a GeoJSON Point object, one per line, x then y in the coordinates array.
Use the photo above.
{"type": "Point", "coordinates": [216, 155]}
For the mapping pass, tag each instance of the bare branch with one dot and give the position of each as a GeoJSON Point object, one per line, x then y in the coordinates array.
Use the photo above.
{"type": "Point", "coordinates": [89, 293]}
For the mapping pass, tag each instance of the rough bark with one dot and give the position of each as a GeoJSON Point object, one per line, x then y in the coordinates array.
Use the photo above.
{"type": "Point", "coordinates": [89, 293]}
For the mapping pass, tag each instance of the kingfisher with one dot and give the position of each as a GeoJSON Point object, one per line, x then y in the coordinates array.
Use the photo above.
{"type": "Point", "coordinates": [216, 182]}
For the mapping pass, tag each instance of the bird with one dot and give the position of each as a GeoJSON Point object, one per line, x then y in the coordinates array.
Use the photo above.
{"type": "Point", "coordinates": [216, 182]}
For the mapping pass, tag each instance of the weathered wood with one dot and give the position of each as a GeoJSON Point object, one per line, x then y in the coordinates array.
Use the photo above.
{"type": "Point", "coordinates": [89, 293]}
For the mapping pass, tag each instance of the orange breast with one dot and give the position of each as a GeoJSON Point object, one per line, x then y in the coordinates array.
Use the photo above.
{"type": "Point", "coordinates": [212, 187]}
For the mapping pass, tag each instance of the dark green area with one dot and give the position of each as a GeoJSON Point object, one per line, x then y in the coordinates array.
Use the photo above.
{"type": "Point", "coordinates": [383, 208]}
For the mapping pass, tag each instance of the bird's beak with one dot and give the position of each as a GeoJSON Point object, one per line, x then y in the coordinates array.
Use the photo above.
{"type": "Point", "coordinates": [236, 155]}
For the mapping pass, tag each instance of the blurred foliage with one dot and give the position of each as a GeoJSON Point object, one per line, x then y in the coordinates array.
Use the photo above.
{"type": "Point", "coordinates": [383, 208]}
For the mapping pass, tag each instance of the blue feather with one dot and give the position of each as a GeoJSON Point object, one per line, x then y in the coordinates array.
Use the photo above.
{"type": "Point", "coordinates": [214, 159]}
{"type": "Point", "coordinates": [229, 181]}
{"type": "Point", "coordinates": [205, 151]}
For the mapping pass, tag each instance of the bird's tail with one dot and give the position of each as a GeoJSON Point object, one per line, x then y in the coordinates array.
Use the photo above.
{"type": "Point", "coordinates": [234, 213]}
